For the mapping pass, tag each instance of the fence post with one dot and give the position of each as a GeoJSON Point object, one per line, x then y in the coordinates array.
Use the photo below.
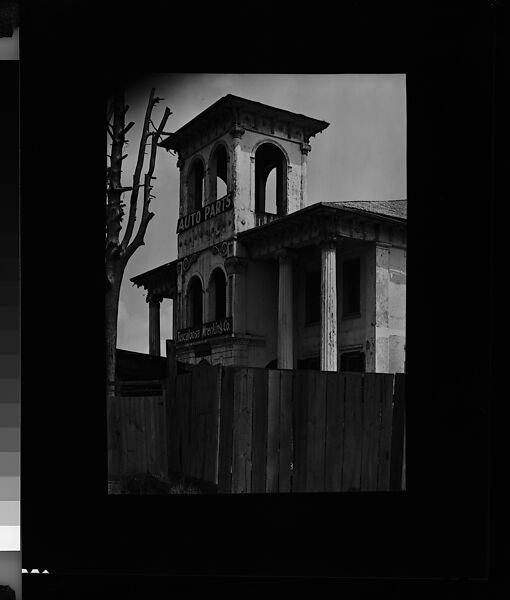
{"type": "Point", "coordinates": [397, 434]}
{"type": "Point", "coordinates": [113, 442]}
{"type": "Point", "coordinates": [171, 384]}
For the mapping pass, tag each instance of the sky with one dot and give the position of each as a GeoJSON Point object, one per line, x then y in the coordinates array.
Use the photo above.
{"type": "Point", "coordinates": [9, 46]}
{"type": "Point", "coordinates": [360, 156]}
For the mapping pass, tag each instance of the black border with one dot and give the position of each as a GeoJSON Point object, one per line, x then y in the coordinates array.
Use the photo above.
{"type": "Point", "coordinates": [439, 528]}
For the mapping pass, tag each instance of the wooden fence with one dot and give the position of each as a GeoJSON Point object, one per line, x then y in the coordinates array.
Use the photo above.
{"type": "Point", "coordinates": [193, 423]}
{"type": "Point", "coordinates": [137, 436]}
{"type": "Point", "coordinates": [259, 430]}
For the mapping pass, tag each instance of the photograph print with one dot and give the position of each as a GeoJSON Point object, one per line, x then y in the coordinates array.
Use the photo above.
{"type": "Point", "coordinates": [256, 236]}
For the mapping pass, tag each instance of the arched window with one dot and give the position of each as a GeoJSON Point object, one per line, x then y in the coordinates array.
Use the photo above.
{"type": "Point", "coordinates": [196, 185]}
{"type": "Point", "coordinates": [270, 180]}
{"type": "Point", "coordinates": [218, 295]}
{"type": "Point", "coordinates": [194, 298]}
{"type": "Point", "coordinates": [218, 174]}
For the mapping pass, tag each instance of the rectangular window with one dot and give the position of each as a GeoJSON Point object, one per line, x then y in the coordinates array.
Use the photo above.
{"type": "Point", "coordinates": [352, 361]}
{"type": "Point", "coordinates": [351, 288]}
{"type": "Point", "coordinates": [313, 363]}
{"type": "Point", "coordinates": [312, 297]}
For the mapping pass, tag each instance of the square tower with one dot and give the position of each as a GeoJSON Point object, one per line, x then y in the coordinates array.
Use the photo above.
{"type": "Point", "coordinates": [242, 165]}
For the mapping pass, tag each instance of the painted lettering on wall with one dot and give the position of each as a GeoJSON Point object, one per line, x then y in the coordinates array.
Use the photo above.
{"type": "Point", "coordinates": [204, 214]}
{"type": "Point", "coordinates": [207, 330]}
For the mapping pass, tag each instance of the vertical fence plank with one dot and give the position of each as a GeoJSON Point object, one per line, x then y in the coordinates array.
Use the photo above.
{"type": "Point", "coordinates": [351, 476]}
{"type": "Point", "coordinates": [214, 406]}
{"type": "Point", "coordinates": [260, 424]}
{"type": "Point", "coordinates": [200, 421]}
{"type": "Point", "coordinates": [300, 413]}
{"type": "Point", "coordinates": [141, 442]}
{"type": "Point", "coordinates": [158, 441]}
{"type": "Point", "coordinates": [129, 404]}
{"type": "Point", "coordinates": [173, 427]}
{"type": "Point", "coordinates": [241, 463]}
{"type": "Point", "coordinates": [132, 466]}
{"type": "Point", "coordinates": [211, 409]}
{"type": "Point", "coordinates": [140, 434]}
{"type": "Point", "coordinates": [123, 417]}
{"type": "Point", "coordinates": [186, 410]}
{"type": "Point", "coordinates": [162, 415]}
{"type": "Point", "coordinates": [170, 411]}
{"type": "Point", "coordinates": [397, 433]}
{"type": "Point", "coordinates": [273, 418]}
{"type": "Point", "coordinates": [170, 397]}
{"type": "Point", "coordinates": [316, 432]}
{"type": "Point", "coordinates": [176, 423]}
{"type": "Point", "coordinates": [182, 421]}
{"type": "Point", "coordinates": [133, 463]}
{"type": "Point", "coordinates": [114, 439]}
{"type": "Point", "coordinates": [111, 435]}
{"type": "Point", "coordinates": [150, 433]}
{"type": "Point", "coordinates": [369, 458]}
{"type": "Point", "coordinates": [334, 431]}
{"type": "Point", "coordinates": [206, 389]}
{"type": "Point", "coordinates": [153, 423]}
{"type": "Point", "coordinates": [194, 448]}
{"type": "Point", "coordinates": [386, 411]}
{"type": "Point", "coordinates": [205, 418]}
{"type": "Point", "coordinates": [285, 433]}
{"type": "Point", "coordinates": [191, 449]}
{"type": "Point", "coordinates": [161, 443]}
{"type": "Point", "coordinates": [226, 419]}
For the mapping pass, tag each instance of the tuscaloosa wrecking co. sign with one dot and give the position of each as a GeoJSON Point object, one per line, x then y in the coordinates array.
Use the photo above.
{"type": "Point", "coordinates": [205, 213]}
{"type": "Point", "coordinates": [207, 330]}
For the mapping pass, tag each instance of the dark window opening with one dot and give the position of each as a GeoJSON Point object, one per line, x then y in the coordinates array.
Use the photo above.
{"type": "Point", "coordinates": [311, 364]}
{"type": "Point", "coordinates": [312, 297]}
{"type": "Point", "coordinates": [351, 287]}
{"type": "Point", "coordinates": [196, 185]}
{"type": "Point", "coordinates": [218, 174]}
{"type": "Point", "coordinates": [352, 361]}
{"type": "Point", "coordinates": [270, 180]}
{"type": "Point", "coordinates": [203, 350]}
{"type": "Point", "coordinates": [195, 302]}
{"type": "Point", "coordinates": [218, 295]}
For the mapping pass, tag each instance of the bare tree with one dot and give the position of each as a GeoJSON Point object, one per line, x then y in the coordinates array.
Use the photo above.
{"type": "Point", "coordinates": [117, 251]}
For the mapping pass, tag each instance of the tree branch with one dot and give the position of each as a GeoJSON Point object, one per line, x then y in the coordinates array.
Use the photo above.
{"type": "Point", "coordinates": [114, 187]}
{"type": "Point", "coordinates": [146, 215]}
{"type": "Point", "coordinates": [138, 171]}
{"type": "Point", "coordinates": [109, 113]}
{"type": "Point", "coordinates": [128, 127]}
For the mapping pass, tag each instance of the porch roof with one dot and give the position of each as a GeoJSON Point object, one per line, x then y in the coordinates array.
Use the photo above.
{"type": "Point", "coordinates": [388, 208]}
{"type": "Point", "coordinates": [161, 280]}
{"type": "Point", "coordinates": [375, 221]}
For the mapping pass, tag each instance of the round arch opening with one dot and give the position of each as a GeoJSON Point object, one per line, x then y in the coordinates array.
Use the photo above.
{"type": "Point", "coordinates": [270, 180]}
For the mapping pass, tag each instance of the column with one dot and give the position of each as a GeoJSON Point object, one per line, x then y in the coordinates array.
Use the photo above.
{"type": "Point", "coordinates": [237, 133]}
{"type": "Point", "coordinates": [154, 331]}
{"type": "Point", "coordinates": [236, 293]}
{"type": "Point", "coordinates": [285, 338]}
{"type": "Point", "coordinates": [329, 313]}
{"type": "Point", "coordinates": [305, 149]}
{"type": "Point", "coordinates": [183, 192]}
{"type": "Point", "coordinates": [382, 326]}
